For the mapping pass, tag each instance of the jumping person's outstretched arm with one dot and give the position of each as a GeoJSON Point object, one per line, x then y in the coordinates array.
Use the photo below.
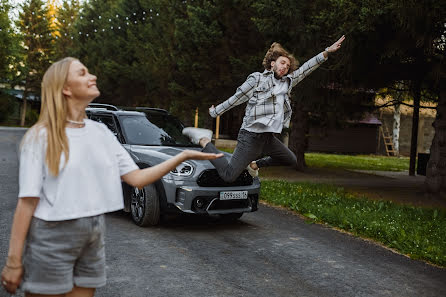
{"type": "Point", "coordinates": [243, 93]}
{"type": "Point", "coordinates": [308, 67]}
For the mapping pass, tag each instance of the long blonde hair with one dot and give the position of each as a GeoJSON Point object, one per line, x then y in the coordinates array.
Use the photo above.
{"type": "Point", "coordinates": [53, 113]}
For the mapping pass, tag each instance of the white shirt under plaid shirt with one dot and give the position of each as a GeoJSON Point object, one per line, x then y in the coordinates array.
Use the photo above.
{"type": "Point", "coordinates": [258, 91]}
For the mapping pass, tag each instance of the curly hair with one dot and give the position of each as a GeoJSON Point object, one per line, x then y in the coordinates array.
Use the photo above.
{"type": "Point", "coordinates": [276, 51]}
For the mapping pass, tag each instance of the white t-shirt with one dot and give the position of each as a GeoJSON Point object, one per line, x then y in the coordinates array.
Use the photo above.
{"type": "Point", "coordinates": [89, 184]}
{"type": "Point", "coordinates": [280, 89]}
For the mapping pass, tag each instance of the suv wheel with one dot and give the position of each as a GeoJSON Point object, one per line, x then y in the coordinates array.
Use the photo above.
{"type": "Point", "coordinates": [145, 206]}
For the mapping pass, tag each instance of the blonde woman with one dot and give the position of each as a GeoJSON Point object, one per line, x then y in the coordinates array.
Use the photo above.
{"type": "Point", "coordinates": [70, 175]}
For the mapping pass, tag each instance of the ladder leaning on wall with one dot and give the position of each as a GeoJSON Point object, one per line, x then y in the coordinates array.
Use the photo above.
{"type": "Point", "coordinates": [388, 139]}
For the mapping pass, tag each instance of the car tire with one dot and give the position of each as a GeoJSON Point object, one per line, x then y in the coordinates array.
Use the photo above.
{"type": "Point", "coordinates": [231, 216]}
{"type": "Point", "coordinates": [145, 206]}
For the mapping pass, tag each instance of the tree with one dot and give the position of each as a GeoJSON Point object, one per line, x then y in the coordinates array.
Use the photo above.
{"type": "Point", "coordinates": [217, 47]}
{"type": "Point", "coordinates": [65, 16]}
{"type": "Point", "coordinates": [388, 42]}
{"type": "Point", "coordinates": [404, 43]}
{"type": "Point", "coordinates": [132, 45]}
{"type": "Point", "coordinates": [34, 25]}
{"type": "Point", "coordinates": [7, 40]}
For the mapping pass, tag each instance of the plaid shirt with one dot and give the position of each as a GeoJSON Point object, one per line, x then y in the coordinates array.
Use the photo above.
{"type": "Point", "coordinates": [258, 91]}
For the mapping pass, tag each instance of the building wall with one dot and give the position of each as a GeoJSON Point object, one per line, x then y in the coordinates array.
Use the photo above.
{"type": "Point", "coordinates": [356, 139]}
{"type": "Point", "coordinates": [425, 131]}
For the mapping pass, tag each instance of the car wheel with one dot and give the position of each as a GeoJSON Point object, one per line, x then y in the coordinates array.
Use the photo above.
{"type": "Point", "coordinates": [145, 206]}
{"type": "Point", "coordinates": [231, 216]}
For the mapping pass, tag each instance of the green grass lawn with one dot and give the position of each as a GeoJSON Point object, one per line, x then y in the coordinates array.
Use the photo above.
{"type": "Point", "coordinates": [361, 162]}
{"type": "Point", "coordinates": [226, 149]}
{"type": "Point", "coordinates": [417, 232]}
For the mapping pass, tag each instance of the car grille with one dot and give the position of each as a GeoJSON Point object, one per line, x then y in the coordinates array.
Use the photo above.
{"type": "Point", "coordinates": [210, 178]}
{"type": "Point", "coordinates": [231, 204]}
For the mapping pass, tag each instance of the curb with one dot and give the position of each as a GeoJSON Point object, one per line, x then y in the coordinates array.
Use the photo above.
{"type": "Point", "coordinates": [13, 129]}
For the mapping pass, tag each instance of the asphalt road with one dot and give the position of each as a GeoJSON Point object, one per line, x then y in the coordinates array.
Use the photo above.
{"type": "Point", "coordinates": [268, 253]}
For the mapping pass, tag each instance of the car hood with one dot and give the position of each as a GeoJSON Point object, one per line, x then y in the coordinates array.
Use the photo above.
{"type": "Point", "coordinates": [153, 155]}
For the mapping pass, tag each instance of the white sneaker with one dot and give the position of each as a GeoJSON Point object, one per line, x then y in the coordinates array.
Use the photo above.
{"type": "Point", "coordinates": [195, 134]}
{"type": "Point", "coordinates": [252, 172]}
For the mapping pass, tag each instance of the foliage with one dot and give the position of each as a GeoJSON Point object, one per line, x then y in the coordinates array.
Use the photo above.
{"type": "Point", "coordinates": [66, 14]}
{"type": "Point", "coordinates": [217, 47]}
{"type": "Point", "coordinates": [7, 104]}
{"type": "Point", "coordinates": [6, 38]}
{"type": "Point", "coordinates": [165, 54]}
{"type": "Point", "coordinates": [131, 42]}
{"type": "Point", "coordinates": [37, 49]}
{"type": "Point", "coordinates": [417, 232]}
{"type": "Point", "coordinates": [322, 97]}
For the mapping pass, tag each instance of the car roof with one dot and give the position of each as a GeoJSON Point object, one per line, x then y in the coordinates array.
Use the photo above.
{"type": "Point", "coordinates": [111, 109]}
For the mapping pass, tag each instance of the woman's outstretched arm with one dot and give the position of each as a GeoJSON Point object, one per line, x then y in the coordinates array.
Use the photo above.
{"type": "Point", "coordinates": [142, 177]}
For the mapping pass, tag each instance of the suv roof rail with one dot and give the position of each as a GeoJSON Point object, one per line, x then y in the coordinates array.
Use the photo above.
{"type": "Point", "coordinates": [103, 106]}
{"type": "Point", "coordinates": [147, 108]}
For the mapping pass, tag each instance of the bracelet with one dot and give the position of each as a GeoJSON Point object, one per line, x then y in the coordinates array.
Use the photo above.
{"type": "Point", "coordinates": [13, 267]}
{"type": "Point", "coordinates": [326, 49]}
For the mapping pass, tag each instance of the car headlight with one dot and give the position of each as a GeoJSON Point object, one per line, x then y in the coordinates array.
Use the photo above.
{"type": "Point", "coordinates": [184, 169]}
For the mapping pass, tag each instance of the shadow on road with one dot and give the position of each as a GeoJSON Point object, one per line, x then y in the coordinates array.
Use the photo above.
{"type": "Point", "coordinates": [189, 222]}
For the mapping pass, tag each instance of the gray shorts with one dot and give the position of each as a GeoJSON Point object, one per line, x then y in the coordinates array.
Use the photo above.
{"type": "Point", "coordinates": [61, 254]}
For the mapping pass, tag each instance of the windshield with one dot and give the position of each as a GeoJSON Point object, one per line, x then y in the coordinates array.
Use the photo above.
{"type": "Point", "coordinates": [154, 129]}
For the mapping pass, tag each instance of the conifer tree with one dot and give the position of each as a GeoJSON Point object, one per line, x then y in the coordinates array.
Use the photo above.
{"type": "Point", "coordinates": [128, 45]}
{"type": "Point", "coordinates": [66, 15]}
{"type": "Point", "coordinates": [34, 26]}
{"type": "Point", "coordinates": [7, 42]}
{"type": "Point", "coordinates": [216, 47]}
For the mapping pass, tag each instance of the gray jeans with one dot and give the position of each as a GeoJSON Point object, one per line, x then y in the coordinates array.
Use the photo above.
{"type": "Point", "coordinates": [250, 147]}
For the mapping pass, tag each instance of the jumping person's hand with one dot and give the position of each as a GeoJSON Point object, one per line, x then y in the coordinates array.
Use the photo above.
{"type": "Point", "coordinates": [335, 46]}
{"type": "Point", "coordinates": [212, 112]}
{"type": "Point", "coordinates": [197, 155]}
{"type": "Point", "coordinates": [11, 278]}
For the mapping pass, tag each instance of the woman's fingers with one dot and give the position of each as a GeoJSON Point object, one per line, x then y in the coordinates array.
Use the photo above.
{"type": "Point", "coordinates": [208, 156]}
{"type": "Point", "coordinates": [202, 156]}
{"type": "Point", "coordinates": [11, 279]}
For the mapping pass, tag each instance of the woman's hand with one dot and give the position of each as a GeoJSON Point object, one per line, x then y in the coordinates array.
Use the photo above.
{"type": "Point", "coordinates": [11, 278]}
{"type": "Point", "coordinates": [335, 46]}
{"type": "Point", "coordinates": [197, 155]}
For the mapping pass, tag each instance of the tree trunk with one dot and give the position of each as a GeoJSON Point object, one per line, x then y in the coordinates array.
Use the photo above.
{"type": "Point", "coordinates": [297, 139]}
{"type": "Point", "coordinates": [23, 117]}
{"type": "Point", "coordinates": [435, 181]}
{"type": "Point", "coordinates": [396, 128]}
{"type": "Point", "coordinates": [414, 138]}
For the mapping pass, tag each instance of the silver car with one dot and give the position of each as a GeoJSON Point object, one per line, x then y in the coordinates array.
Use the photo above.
{"type": "Point", "coordinates": [152, 136]}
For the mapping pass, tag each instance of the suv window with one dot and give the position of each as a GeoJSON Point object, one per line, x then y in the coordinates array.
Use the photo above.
{"type": "Point", "coordinates": [107, 121]}
{"type": "Point", "coordinates": [140, 130]}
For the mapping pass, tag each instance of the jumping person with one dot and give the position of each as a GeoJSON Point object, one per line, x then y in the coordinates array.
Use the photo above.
{"type": "Point", "coordinates": [267, 112]}
{"type": "Point", "coordinates": [70, 175]}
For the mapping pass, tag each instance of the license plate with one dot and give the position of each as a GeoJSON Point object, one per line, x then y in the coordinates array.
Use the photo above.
{"type": "Point", "coordinates": [233, 195]}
